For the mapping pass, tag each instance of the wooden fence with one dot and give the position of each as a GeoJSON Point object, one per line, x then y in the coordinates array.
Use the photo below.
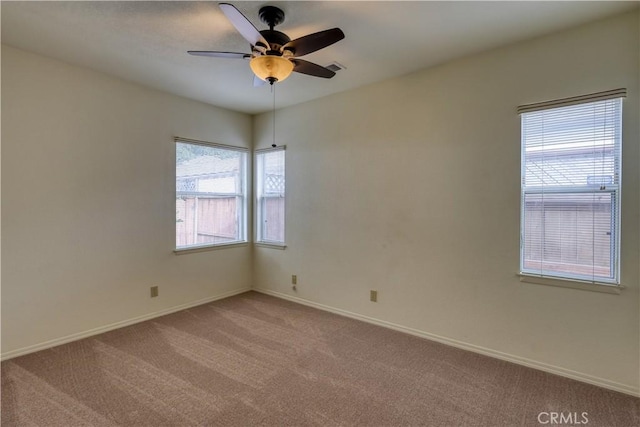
{"type": "Point", "coordinates": [206, 220]}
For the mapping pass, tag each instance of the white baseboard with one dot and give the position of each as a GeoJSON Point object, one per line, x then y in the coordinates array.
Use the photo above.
{"type": "Point", "coordinates": [568, 373]}
{"type": "Point", "coordinates": [95, 331]}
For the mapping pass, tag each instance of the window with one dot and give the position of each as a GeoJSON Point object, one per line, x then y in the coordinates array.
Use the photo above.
{"type": "Point", "coordinates": [570, 207]}
{"type": "Point", "coordinates": [270, 186]}
{"type": "Point", "coordinates": [211, 205]}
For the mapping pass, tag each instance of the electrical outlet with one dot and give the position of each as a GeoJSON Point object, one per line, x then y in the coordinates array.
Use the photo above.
{"type": "Point", "coordinates": [294, 279]}
{"type": "Point", "coordinates": [154, 291]}
{"type": "Point", "coordinates": [373, 296]}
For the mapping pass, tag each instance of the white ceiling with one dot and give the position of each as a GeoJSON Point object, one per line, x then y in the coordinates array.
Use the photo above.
{"type": "Point", "coordinates": [146, 42]}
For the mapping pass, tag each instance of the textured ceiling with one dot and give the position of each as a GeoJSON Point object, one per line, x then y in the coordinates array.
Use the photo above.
{"type": "Point", "coordinates": [146, 42]}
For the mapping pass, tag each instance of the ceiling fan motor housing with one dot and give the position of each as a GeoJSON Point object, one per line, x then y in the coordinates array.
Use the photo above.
{"type": "Point", "coordinates": [276, 40]}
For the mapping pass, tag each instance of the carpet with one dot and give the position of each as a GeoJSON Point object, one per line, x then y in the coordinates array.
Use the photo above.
{"type": "Point", "coordinates": [253, 359]}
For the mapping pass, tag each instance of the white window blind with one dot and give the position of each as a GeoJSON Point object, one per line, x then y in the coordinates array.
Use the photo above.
{"type": "Point", "coordinates": [570, 206]}
{"type": "Point", "coordinates": [270, 186]}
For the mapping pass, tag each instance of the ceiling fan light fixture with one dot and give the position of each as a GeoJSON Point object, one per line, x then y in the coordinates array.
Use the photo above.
{"type": "Point", "coordinates": [271, 68]}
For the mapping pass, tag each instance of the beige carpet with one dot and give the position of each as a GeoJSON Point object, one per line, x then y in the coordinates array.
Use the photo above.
{"type": "Point", "coordinates": [258, 360]}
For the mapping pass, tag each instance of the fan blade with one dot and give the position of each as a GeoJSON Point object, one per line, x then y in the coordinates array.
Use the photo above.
{"type": "Point", "coordinates": [216, 54]}
{"type": "Point", "coordinates": [306, 67]}
{"type": "Point", "coordinates": [243, 25]}
{"type": "Point", "coordinates": [312, 42]}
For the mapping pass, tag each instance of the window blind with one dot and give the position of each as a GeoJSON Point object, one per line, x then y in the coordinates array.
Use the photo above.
{"type": "Point", "coordinates": [570, 207]}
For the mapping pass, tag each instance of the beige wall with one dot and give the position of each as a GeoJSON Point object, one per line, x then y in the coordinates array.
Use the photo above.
{"type": "Point", "coordinates": [411, 187]}
{"type": "Point", "coordinates": [88, 213]}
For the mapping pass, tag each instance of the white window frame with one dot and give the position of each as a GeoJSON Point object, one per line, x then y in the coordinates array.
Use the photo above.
{"type": "Point", "coordinates": [558, 278]}
{"type": "Point", "coordinates": [242, 215]}
{"type": "Point", "coordinates": [260, 197]}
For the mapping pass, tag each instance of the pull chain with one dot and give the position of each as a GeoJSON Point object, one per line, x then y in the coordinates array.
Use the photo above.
{"type": "Point", "coordinates": [273, 90]}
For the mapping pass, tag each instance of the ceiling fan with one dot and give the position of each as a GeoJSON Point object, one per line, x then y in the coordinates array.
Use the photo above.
{"type": "Point", "coordinates": [273, 54]}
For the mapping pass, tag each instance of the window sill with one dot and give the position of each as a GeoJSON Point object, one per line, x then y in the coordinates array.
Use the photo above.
{"type": "Point", "coordinates": [572, 284]}
{"type": "Point", "coordinates": [193, 249]}
{"type": "Point", "coordinates": [280, 246]}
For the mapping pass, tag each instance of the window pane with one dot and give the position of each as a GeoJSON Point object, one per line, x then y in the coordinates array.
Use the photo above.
{"type": "Point", "coordinates": [210, 202]}
{"type": "Point", "coordinates": [273, 230]}
{"type": "Point", "coordinates": [569, 233]}
{"type": "Point", "coordinates": [574, 145]}
{"type": "Point", "coordinates": [270, 167]}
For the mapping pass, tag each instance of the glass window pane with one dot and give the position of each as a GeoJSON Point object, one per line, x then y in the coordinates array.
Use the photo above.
{"type": "Point", "coordinates": [569, 233]}
{"type": "Point", "coordinates": [210, 201]}
{"type": "Point", "coordinates": [273, 225]}
{"type": "Point", "coordinates": [270, 171]}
